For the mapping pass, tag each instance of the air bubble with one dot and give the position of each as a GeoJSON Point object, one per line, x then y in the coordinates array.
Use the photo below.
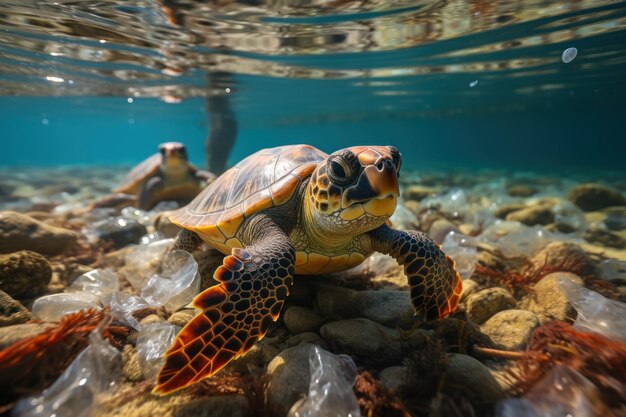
{"type": "Point", "coordinates": [569, 54]}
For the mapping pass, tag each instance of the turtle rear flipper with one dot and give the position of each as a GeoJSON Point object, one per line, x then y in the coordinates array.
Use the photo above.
{"type": "Point", "coordinates": [254, 283]}
{"type": "Point", "coordinates": [435, 284]}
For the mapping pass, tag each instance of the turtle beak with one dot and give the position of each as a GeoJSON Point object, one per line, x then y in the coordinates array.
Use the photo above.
{"type": "Point", "coordinates": [383, 179]}
{"type": "Point", "coordinates": [378, 187]}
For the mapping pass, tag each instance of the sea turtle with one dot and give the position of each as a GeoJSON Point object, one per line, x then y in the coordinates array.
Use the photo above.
{"type": "Point", "coordinates": [293, 210]}
{"type": "Point", "coordinates": [166, 175]}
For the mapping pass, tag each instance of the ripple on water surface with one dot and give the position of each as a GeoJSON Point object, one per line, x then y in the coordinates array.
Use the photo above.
{"type": "Point", "coordinates": [399, 54]}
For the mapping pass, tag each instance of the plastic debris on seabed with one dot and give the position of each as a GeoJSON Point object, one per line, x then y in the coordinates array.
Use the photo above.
{"type": "Point", "coordinates": [569, 217]}
{"type": "Point", "coordinates": [102, 283]}
{"type": "Point", "coordinates": [454, 202]}
{"type": "Point", "coordinates": [143, 260]}
{"type": "Point", "coordinates": [612, 269]}
{"type": "Point", "coordinates": [462, 249]}
{"type": "Point", "coordinates": [403, 218]}
{"type": "Point", "coordinates": [596, 313]}
{"type": "Point", "coordinates": [54, 306]}
{"type": "Point", "coordinates": [152, 343]}
{"type": "Point", "coordinates": [514, 239]}
{"type": "Point", "coordinates": [562, 392]}
{"type": "Point", "coordinates": [123, 305]}
{"type": "Point", "coordinates": [330, 387]}
{"type": "Point", "coordinates": [177, 284]}
{"type": "Point", "coordinates": [95, 371]}
{"type": "Point", "coordinates": [140, 216]}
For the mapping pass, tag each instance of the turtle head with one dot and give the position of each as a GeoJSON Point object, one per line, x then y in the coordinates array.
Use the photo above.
{"type": "Point", "coordinates": [173, 154]}
{"type": "Point", "coordinates": [355, 189]}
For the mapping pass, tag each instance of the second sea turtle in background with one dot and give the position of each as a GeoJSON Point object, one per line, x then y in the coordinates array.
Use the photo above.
{"type": "Point", "coordinates": [165, 176]}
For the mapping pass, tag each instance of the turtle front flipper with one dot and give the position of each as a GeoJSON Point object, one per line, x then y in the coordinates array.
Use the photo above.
{"type": "Point", "coordinates": [254, 283]}
{"type": "Point", "coordinates": [435, 284]}
{"type": "Point", "coordinates": [146, 195]}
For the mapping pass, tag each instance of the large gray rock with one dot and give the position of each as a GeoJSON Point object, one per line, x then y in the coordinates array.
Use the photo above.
{"type": "Point", "coordinates": [11, 311]}
{"type": "Point", "coordinates": [337, 302]}
{"type": "Point", "coordinates": [287, 378]}
{"type": "Point", "coordinates": [591, 197]}
{"type": "Point", "coordinates": [549, 301]}
{"type": "Point", "coordinates": [387, 307]}
{"type": "Point", "coordinates": [391, 308]}
{"type": "Point", "coordinates": [20, 232]}
{"type": "Point", "coordinates": [510, 329]}
{"type": "Point", "coordinates": [301, 320]}
{"type": "Point", "coordinates": [362, 337]}
{"type": "Point", "coordinates": [24, 274]}
{"type": "Point", "coordinates": [485, 303]}
{"type": "Point", "coordinates": [368, 339]}
{"type": "Point", "coordinates": [395, 376]}
{"type": "Point", "coordinates": [472, 377]}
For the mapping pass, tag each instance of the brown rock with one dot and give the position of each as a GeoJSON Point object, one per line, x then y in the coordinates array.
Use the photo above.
{"type": "Point", "coordinates": [131, 368]}
{"type": "Point", "coordinates": [502, 211]}
{"type": "Point", "coordinates": [489, 260]}
{"type": "Point", "coordinates": [531, 216]}
{"type": "Point", "coordinates": [164, 225]}
{"type": "Point", "coordinates": [485, 303]}
{"type": "Point", "coordinates": [24, 274]}
{"type": "Point", "coordinates": [548, 301]}
{"type": "Point", "coordinates": [301, 320]}
{"type": "Point", "coordinates": [21, 232]}
{"type": "Point", "coordinates": [418, 192]}
{"type": "Point", "coordinates": [11, 311]}
{"type": "Point", "coordinates": [469, 287]}
{"type": "Point", "coordinates": [182, 317]}
{"type": "Point", "coordinates": [521, 190]}
{"type": "Point", "coordinates": [183, 404]}
{"type": "Point", "coordinates": [565, 255]}
{"type": "Point", "coordinates": [287, 378]}
{"type": "Point", "coordinates": [510, 329]}
{"type": "Point", "coordinates": [591, 197]}
{"type": "Point", "coordinates": [604, 237]}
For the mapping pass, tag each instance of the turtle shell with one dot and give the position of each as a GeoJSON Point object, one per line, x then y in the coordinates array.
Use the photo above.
{"type": "Point", "coordinates": [263, 180]}
{"type": "Point", "coordinates": [131, 184]}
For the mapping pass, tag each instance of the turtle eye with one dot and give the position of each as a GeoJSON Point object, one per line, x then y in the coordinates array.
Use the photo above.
{"type": "Point", "coordinates": [341, 168]}
{"type": "Point", "coordinates": [396, 156]}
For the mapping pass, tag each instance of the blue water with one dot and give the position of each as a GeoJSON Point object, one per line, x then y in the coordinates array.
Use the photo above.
{"type": "Point", "coordinates": [60, 131]}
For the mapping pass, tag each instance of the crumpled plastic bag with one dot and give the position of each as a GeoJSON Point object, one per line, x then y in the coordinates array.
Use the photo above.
{"type": "Point", "coordinates": [330, 387]}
